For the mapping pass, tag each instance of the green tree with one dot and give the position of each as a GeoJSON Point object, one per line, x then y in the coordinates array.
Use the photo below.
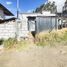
{"type": "Point", "coordinates": [47, 7]}
{"type": "Point", "coordinates": [65, 7]}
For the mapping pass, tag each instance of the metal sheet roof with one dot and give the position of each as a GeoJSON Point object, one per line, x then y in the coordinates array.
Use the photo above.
{"type": "Point", "coordinates": [6, 11]}
{"type": "Point", "coordinates": [7, 20]}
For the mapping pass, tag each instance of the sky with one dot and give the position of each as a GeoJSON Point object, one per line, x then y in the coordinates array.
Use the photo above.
{"type": "Point", "coordinates": [28, 5]}
{"type": "Point", "coordinates": [25, 5]}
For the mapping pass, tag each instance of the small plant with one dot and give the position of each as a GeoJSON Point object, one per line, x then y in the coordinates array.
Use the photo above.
{"type": "Point", "coordinates": [11, 42]}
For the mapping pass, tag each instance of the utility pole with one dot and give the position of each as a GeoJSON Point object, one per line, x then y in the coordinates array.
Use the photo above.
{"type": "Point", "coordinates": [17, 19]}
{"type": "Point", "coordinates": [17, 9]}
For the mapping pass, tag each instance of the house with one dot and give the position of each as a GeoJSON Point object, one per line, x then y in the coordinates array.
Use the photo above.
{"type": "Point", "coordinates": [23, 28]}
{"type": "Point", "coordinates": [7, 26]}
{"type": "Point", "coordinates": [38, 22]}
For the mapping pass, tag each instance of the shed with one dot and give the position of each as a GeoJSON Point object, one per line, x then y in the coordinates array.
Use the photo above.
{"type": "Point", "coordinates": [43, 22]}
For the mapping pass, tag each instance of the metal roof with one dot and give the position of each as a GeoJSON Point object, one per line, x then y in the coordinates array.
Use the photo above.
{"type": "Point", "coordinates": [44, 13]}
{"type": "Point", "coordinates": [7, 20]}
{"type": "Point", "coordinates": [6, 11]}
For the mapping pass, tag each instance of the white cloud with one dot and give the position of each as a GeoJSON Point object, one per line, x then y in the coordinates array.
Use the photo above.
{"type": "Point", "coordinates": [46, 2]}
{"type": "Point", "coordinates": [8, 3]}
{"type": "Point", "coordinates": [59, 3]}
{"type": "Point", "coordinates": [29, 11]}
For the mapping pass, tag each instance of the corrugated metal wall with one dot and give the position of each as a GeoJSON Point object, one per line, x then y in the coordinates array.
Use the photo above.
{"type": "Point", "coordinates": [45, 24]}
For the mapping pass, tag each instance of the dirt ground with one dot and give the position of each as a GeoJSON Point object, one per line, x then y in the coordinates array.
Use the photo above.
{"type": "Point", "coordinates": [35, 57]}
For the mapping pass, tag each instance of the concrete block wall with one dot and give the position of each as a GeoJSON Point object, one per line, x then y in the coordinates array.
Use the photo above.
{"type": "Point", "coordinates": [7, 30]}
{"type": "Point", "coordinates": [23, 28]}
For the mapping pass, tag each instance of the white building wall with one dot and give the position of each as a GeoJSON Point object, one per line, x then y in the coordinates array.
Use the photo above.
{"type": "Point", "coordinates": [23, 27]}
{"type": "Point", "coordinates": [7, 30]}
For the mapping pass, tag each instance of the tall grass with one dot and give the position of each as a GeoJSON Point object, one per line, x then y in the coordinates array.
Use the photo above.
{"type": "Point", "coordinates": [52, 38]}
{"type": "Point", "coordinates": [13, 43]}
{"type": "Point", "coordinates": [44, 38]}
{"type": "Point", "coordinates": [10, 43]}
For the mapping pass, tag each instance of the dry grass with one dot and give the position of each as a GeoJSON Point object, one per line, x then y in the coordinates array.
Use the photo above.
{"type": "Point", "coordinates": [11, 44]}
{"type": "Point", "coordinates": [44, 38]}
{"type": "Point", "coordinates": [52, 38]}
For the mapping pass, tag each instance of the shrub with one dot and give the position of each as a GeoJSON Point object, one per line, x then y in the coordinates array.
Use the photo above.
{"type": "Point", "coordinates": [22, 44]}
{"type": "Point", "coordinates": [9, 43]}
{"type": "Point", "coordinates": [13, 43]}
{"type": "Point", "coordinates": [51, 38]}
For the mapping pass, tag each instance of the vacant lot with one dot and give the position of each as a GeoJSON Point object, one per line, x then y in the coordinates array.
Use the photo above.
{"type": "Point", "coordinates": [35, 57]}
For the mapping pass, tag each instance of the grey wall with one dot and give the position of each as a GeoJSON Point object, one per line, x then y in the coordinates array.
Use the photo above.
{"type": "Point", "coordinates": [45, 24]}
